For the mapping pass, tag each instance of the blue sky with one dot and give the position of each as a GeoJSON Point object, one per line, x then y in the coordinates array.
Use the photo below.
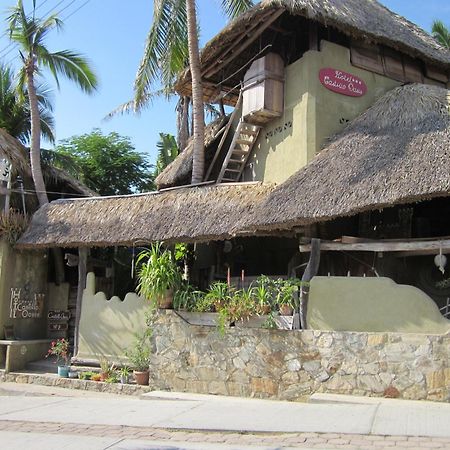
{"type": "Point", "coordinates": [112, 33]}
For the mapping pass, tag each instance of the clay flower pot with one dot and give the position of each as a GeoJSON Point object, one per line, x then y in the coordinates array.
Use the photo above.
{"type": "Point", "coordinates": [141, 377]}
{"type": "Point", "coordinates": [286, 310]}
{"type": "Point", "coordinates": [165, 301]}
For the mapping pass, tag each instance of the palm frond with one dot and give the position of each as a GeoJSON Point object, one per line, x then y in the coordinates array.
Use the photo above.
{"type": "Point", "coordinates": [166, 50]}
{"type": "Point", "coordinates": [441, 33]}
{"type": "Point", "coordinates": [73, 66]}
{"type": "Point", "coordinates": [130, 106]}
{"type": "Point", "coordinates": [234, 8]}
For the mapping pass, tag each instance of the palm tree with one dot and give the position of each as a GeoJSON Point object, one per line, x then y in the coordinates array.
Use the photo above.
{"type": "Point", "coordinates": [441, 33]}
{"type": "Point", "coordinates": [171, 42]}
{"type": "Point", "coordinates": [30, 32]}
{"type": "Point", "coordinates": [15, 116]}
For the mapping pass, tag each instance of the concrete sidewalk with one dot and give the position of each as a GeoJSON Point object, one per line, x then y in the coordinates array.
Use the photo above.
{"type": "Point", "coordinates": [346, 422]}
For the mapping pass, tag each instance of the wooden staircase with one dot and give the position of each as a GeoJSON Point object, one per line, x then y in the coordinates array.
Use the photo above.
{"type": "Point", "coordinates": [240, 149]}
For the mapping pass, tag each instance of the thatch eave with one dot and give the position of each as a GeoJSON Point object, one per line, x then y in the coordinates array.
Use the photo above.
{"type": "Point", "coordinates": [189, 214]}
{"type": "Point", "coordinates": [397, 152]}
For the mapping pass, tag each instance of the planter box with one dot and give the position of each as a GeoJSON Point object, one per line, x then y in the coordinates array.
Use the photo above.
{"type": "Point", "coordinates": [205, 319]}
{"type": "Point", "coordinates": [282, 322]}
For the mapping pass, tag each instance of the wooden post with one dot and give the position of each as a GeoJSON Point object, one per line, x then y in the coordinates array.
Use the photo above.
{"type": "Point", "coordinates": [82, 269]}
{"type": "Point", "coordinates": [310, 272]}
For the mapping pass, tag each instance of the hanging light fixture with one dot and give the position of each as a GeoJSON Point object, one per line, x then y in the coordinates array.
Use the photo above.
{"type": "Point", "coordinates": [440, 260]}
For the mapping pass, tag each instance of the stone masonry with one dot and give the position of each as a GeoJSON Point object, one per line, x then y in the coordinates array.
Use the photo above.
{"type": "Point", "coordinates": [291, 365]}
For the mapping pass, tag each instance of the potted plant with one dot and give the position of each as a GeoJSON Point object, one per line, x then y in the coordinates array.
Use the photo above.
{"type": "Point", "coordinates": [218, 295]}
{"type": "Point", "coordinates": [139, 356]}
{"type": "Point", "coordinates": [287, 298]}
{"type": "Point", "coordinates": [60, 348]}
{"type": "Point", "coordinates": [106, 369]}
{"type": "Point", "coordinates": [158, 275]}
{"type": "Point", "coordinates": [264, 293]}
{"type": "Point", "coordinates": [124, 374]}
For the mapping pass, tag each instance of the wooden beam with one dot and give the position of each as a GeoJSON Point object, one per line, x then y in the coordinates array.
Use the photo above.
{"type": "Point", "coordinates": [236, 51]}
{"type": "Point", "coordinates": [313, 33]}
{"type": "Point", "coordinates": [310, 272]}
{"type": "Point", "coordinates": [432, 246]}
{"type": "Point", "coordinates": [82, 272]}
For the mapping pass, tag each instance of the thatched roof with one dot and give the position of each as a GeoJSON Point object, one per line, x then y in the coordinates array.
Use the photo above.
{"type": "Point", "coordinates": [17, 154]}
{"type": "Point", "coordinates": [179, 171]}
{"type": "Point", "coordinates": [54, 174]}
{"type": "Point", "coordinates": [187, 214]}
{"type": "Point", "coordinates": [13, 151]}
{"type": "Point", "coordinates": [397, 152]}
{"type": "Point", "coordinates": [365, 20]}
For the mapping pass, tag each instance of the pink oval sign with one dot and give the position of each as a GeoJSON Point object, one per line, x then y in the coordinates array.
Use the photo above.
{"type": "Point", "coordinates": [342, 82]}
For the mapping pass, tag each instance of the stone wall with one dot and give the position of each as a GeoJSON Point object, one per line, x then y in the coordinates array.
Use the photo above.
{"type": "Point", "coordinates": [291, 365]}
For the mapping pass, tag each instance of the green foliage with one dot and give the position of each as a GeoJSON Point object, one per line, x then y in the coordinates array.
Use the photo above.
{"type": "Point", "coordinates": [15, 116]}
{"type": "Point", "coordinates": [270, 323]}
{"type": "Point", "coordinates": [157, 272]}
{"type": "Point", "coordinates": [86, 375]}
{"type": "Point", "coordinates": [29, 32]}
{"type": "Point", "coordinates": [186, 297]}
{"type": "Point", "coordinates": [107, 368]}
{"type": "Point", "coordinates": [218, 294]}
{"type": "Point", "coordinates": [167, 152]}
{"type": "Point", "coordinates": [286, 292]}
{"type": "Point", "coordinates": [108, 164]}
{"type": "Point", "coordinates": [441, 33]}
{"type": "Point", "coordinates": [124, 371]}
{"type": "Point", "coordinates": [13, 225]}
{"type": "Point", "coordinates": [139, 354]}
{"type": "Point", "coordinates": [113, 378]}
{"type": "Point", "coordinates": [166, 48]}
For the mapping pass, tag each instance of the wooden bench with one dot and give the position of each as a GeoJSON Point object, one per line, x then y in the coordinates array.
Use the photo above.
{"type": "Point", "coordinates": [20, 352]}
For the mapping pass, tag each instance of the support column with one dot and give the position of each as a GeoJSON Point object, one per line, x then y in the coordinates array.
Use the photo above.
{"type": "Point", "coordinates": [82, 271]}
{"type": "Point", "coordinates": [310, 272]}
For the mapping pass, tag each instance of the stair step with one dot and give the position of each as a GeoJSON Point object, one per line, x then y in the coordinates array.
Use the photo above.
{"type": "Point", "coordinates": [228, 179]}
{"type": "Point", "coordinates": [239, 151]}
{"type": "Point", "coordinates": [236, 161]}
{"type": "Point", "coordinates": [243, 142]}
{"type": "Point", "coordinates": [232, 170]}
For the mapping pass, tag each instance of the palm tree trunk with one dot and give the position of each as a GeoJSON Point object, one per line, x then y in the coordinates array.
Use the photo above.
{"type": "Point", "coordinates": [35, 144]}
{"type": "Point", "coordinates": [183, 122]}
{"type": "Point", "coordinates": [36, 169]}
{"type": "Point", "coordinates": [197, 96]}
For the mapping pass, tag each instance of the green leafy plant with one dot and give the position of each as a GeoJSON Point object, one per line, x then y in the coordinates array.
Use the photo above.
{"type": "Point", "coordinates": [60, 349]}
{"type": "Point", "coordinates": [86, 375]}
{"type": "Point", "coordinates": [270, 323]}
{"type": "Point", "coordinates": [264, 292]}
{"type": "Point", "coordinates": [218, 294]}
{"type": "Point", "coordinates": [158, 273]}
{"type": "Point", "coordinates": [106, 368]}
{"type": "Point", "coordinates": [13, 225]}
{"type": "Point", "coordinates": [139, 353]}
{"type": "Point", "coordinates": [124, 371]}
{"type": "Point", "coordinates": [186, 297]}
{"type": "Point", "coordinates": [287, 290]}
{"type": "Point", "coordinates": [113, 378]}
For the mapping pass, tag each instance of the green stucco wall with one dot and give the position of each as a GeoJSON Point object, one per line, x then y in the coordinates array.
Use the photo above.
{"type": "Point", "coordinates": [108, 327]}
{"type": "Point", "coordinates": [26, 270]}
{"type": "Point", "coordinates": [312, 114]}
{"type": "Point", "coordinates": [372, 305]}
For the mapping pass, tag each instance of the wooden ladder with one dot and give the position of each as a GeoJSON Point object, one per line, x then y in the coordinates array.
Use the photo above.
{"type": "Point", "coordinates": [240, 149]}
